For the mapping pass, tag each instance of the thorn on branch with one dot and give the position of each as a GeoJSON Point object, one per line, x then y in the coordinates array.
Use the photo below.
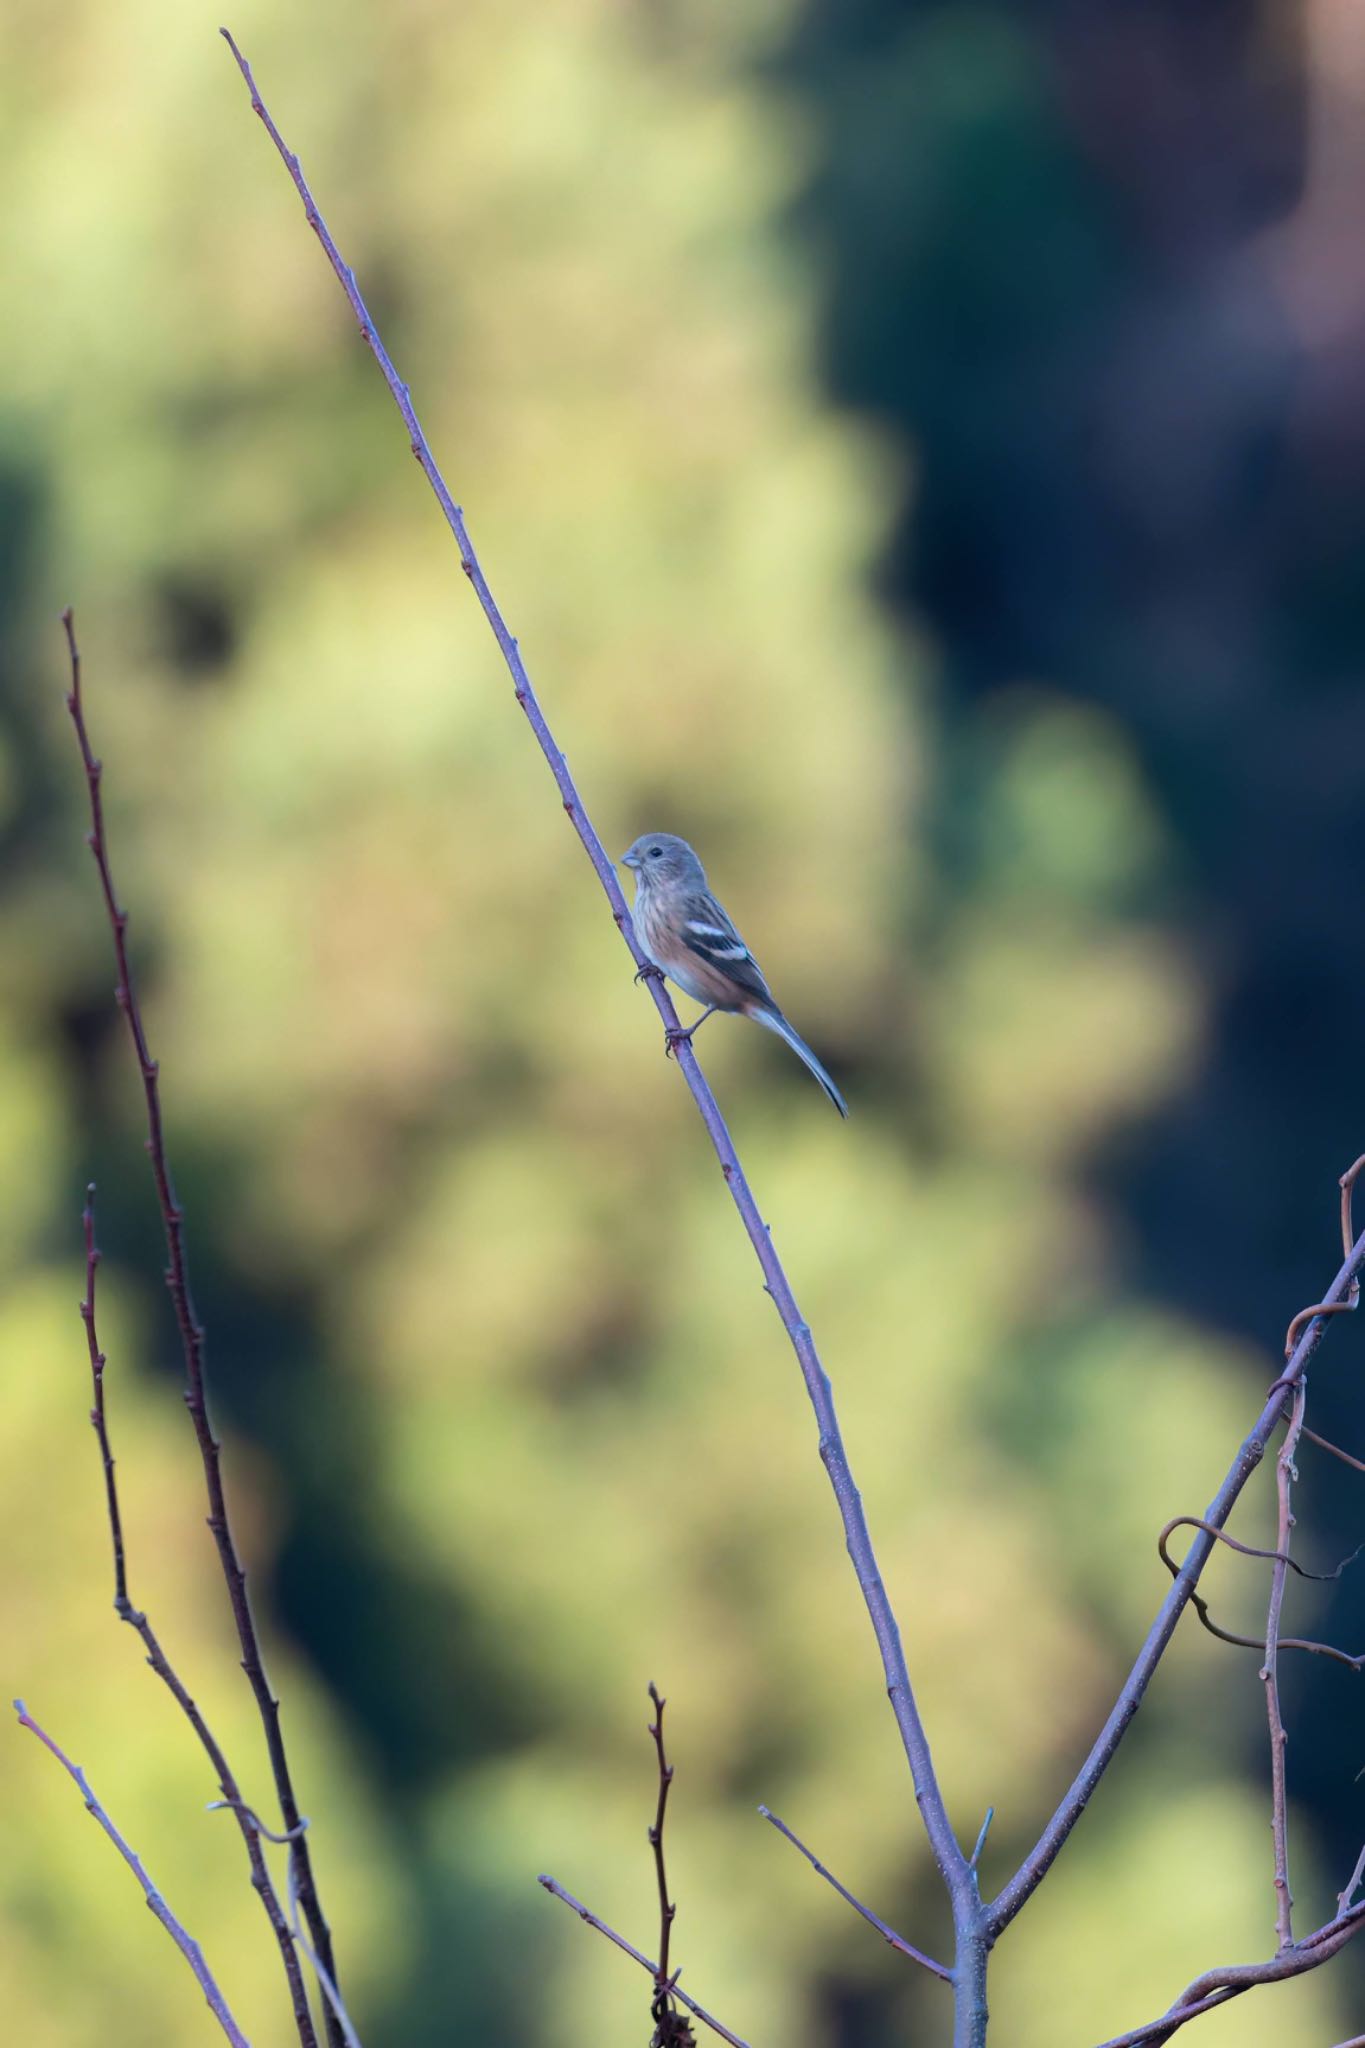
{"type": "Point", "coordinates": [981, 1838]}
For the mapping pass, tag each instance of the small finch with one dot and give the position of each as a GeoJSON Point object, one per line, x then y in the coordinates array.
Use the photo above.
{"type": "Point", "coordinates": [688, 936]}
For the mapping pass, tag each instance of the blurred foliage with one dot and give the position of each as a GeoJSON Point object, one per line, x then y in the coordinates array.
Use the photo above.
{"type": "Point", "coordinates": [1048, 853]}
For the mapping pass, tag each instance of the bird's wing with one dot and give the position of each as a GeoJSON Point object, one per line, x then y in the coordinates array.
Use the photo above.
{"type": "Point", "coordinates": [711, 935]}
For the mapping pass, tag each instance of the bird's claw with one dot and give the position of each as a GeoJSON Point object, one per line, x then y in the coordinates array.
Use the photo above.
{"type": "Point", "coordinates": [649, 972]}
{"type": "Point", "coordinates": [674, 1036]}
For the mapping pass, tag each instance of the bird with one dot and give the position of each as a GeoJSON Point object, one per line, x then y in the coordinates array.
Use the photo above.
{"type": "Point", "coordinates": [686, 935]}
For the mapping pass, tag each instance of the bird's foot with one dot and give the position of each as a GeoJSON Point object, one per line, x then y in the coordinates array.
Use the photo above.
{"type": "Point", "coordinates": [649, 972]}
{"type": "Point", "coordinates": [675, 1036]}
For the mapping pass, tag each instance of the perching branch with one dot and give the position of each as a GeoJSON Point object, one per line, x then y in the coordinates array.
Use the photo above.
{"type": "Point", "coordinates": [192, 1336]}
{"type": "Point", "coordinates": [888, 1934]}
{"type": "Point", "coordinates": [699, 2011]}
{"type": "Point", "coordinates": [947, 1853]}
{"type": "Point", "coordinates": [188, 1946]}
{"type": "Point", "coordinates": [160, 1663]}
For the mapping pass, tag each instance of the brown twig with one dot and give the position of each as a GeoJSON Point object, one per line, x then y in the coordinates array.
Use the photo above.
{"type": "Point", "coordinates": [1201, 1606]}
{"type": "Point", "coordinates": [888, 1934]}
{"type": "Point", "coordinates": [1344, 1898]}
{"type": "Point", "coordinates": [1336, 1451]}
{"type": "Point", "coordinates": [185, 1942]}
{"type": "Point", "coordinates": [1246, 1549]}
{"type": "Point", "coordinates": [192, 1332]}
{"type": "Point", "coordinates": [699, 2011]}
{"type": "Point", "coordinates": [1270, 1674]}
{"type": "Point", "coordinates": [251, 1828]}
{"type": "Point", "coordinates": [666, 2024]}
{"type": "Point", "coordinates": [1352, 1301]}
{"type": "Point", "coordinates": [1219, 1987]}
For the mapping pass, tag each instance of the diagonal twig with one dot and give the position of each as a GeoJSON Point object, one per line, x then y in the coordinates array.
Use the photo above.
{"type": "Point", "coordinates": [1219, 1987]}
{"type": "Point", "coordinates": [1335, 1449]}
{"type": "Point", "coordinates": [246, 1820]}
{"type": "Point", "coordinates": [888, 1934]}
{"type": "Point", "coordinates": [185, 1942]}
{"type": "Point", "coordinates": [707, 2019]}
{"type": "Point", "coordinates": [1345, 1898]}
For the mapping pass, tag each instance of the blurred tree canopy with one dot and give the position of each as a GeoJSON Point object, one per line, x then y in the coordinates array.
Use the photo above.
{"type": "Point", "coordinates": [916, 448]}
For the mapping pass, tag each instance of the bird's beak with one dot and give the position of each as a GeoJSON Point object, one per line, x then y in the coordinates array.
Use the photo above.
{"type": "Point", "coordinates": [629, 860]}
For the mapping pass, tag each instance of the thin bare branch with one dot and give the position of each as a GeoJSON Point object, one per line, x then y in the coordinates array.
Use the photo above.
{"type": "Point", "coordinates": [1040, 1858]}
{"type": "Point", "coordinates": [946, 1850]}
{"type": "Point", "coordinates": [191, 1329]}
{"type": "Point", "coordinates": [185, 1942]}
{"type": "Point", "coordinates": [661, 2010]}
{"type": "Point", "coordinates": [251, 1828]}
{"type": "Point", "coordinates": [888, 1934]}
{"type": "Point", "coordinates": [699, 2011]}
{"type": "Point", "coordinates": [1344, 1898]}
{"type": "Point", "coordinates": [1335, 1449]}
{"type": "Point", "coordinates": [1219, 1987]}
{"type": "Point", "coordinates": [1279, 1798]}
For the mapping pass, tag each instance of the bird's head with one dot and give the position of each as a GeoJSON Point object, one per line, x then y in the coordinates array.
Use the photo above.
{"type": "Point", "coordinates": [661, 857]}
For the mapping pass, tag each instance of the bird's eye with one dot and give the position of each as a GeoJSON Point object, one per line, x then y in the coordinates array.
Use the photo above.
{"type": "Point", "coordinates": [654, 852]}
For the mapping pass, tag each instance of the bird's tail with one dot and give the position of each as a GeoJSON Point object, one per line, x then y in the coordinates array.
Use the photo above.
{"type": "Point", "coordinates": [772, 1020]}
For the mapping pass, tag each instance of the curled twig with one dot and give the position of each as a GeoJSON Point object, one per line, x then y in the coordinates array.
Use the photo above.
{"type": "Point", "coordinates": [1245, 1549]}
{"type": "Point", "coordinates": [1201, 1606]}
{"type": "Point", "coordinates": [1332, 1308]}
{"type": "Point", "coordinates": [185, 1942]}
